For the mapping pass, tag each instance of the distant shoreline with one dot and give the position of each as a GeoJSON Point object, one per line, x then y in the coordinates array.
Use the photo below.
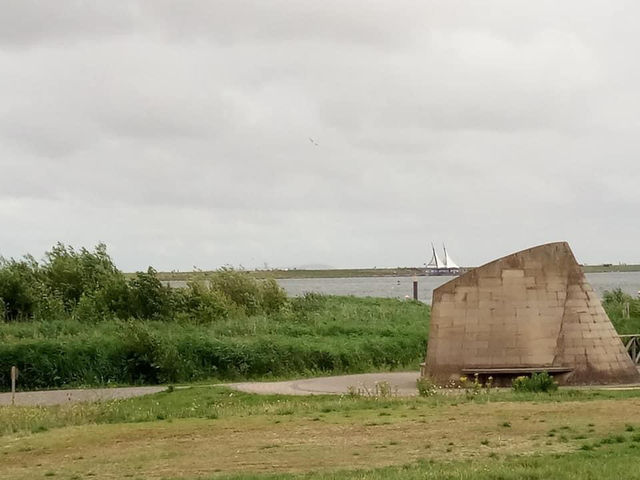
{"type": "Point", "coordinates": [363, 272]}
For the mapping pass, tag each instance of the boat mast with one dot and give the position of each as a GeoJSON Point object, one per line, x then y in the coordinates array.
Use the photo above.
{"type": "Point", "coordinates": [435, 255]}
{"type": "Point", "coordinates": [448, 262]}
{"type": "Point", "coordinates": [435, 261]}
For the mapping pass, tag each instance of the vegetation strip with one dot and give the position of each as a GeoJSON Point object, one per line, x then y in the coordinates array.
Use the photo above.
{"type": "Point", "coordinates": [197, 432]}
{"type": "Point", "coordinates": [74, 320]}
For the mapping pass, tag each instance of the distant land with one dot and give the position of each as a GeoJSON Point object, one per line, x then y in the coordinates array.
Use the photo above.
{"type": "Point", "coordinates": [363, 272]}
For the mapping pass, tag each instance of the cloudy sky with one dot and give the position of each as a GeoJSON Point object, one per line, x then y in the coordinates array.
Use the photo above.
{"type": "Point", "coordinates": [178, 133]}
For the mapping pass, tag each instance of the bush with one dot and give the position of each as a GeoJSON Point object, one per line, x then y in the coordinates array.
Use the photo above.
{"type": "Point", "coordinates": [426, 387]}
{"type": "Point", "coordinates": [140, 352]}
{"type": "Point", "coordinates": [87, 310]}
{"type": "Point", "coordinates": [148, 297]}
{"type": "Point", "coordinates": [537, 382]}
{"type": "Point", "coordinates": [20, 290]}
{"type": "Point", "coordinates": [201, 304]}
{"type": "Point", "coordinates": [86, 285]}
{"type": "Point", "coordinates": [615, 303]}
{"type": "Point", "coordinates": [70, 273]}
{"type": "Point", "coordinates": [239, 287]}
{"type": "Point", "coordinates": [248, 293]}
{"type": "Point", "coordinates": [615, 296]}
{"type": "Point", "coordinates": [272, 296]}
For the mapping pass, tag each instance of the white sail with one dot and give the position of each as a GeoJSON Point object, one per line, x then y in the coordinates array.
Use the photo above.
{"type": "Point", "coordinates": [435, 260]}
{"type": "Point", "coordinates": [448, 263]}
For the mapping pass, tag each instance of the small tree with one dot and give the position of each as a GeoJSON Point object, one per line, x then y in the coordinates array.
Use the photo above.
{"type": "Point", "coordinates": [20, 288]}
{"type": "Point", "coordinates": [241, 288]}
{"type": "Point", "coordinates": [148, 297]}
{"type": "Point", "coordinates": [71, 274]}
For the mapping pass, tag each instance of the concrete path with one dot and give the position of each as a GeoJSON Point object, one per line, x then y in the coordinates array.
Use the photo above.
{"type": "Point", "coordinates": [59, 397]}
{"type": "Point", "coordinates": [402, 383]}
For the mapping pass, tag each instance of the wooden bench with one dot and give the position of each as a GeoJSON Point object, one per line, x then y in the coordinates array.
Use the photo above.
{"type": "Point", "coordinates": [514, 370]}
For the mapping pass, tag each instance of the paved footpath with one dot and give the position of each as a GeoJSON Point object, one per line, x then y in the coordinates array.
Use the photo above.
{"type": "Point", "coordinates": [402, 383]}
{"type": "Point", "coordinates": [59, 397]}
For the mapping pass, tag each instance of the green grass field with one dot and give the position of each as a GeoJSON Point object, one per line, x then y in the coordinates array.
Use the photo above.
{"type": "Point", "coordinates": [213, 432]}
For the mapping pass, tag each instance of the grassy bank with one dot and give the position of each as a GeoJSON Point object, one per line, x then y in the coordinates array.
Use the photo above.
{"type": "Point", "coordinates": [209, 432]}
{"type": "Point", "coordinates": [313, 335]}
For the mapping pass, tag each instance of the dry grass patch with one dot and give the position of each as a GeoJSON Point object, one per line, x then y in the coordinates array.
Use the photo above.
{"type": "Point", "coordinates": [197, 447]}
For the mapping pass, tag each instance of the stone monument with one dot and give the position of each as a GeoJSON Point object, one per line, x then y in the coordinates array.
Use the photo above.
{"type": "Point", "coordinates": [531, 311]}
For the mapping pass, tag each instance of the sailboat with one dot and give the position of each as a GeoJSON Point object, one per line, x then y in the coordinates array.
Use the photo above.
{"type": "Point", "coordinates": [438, 267]}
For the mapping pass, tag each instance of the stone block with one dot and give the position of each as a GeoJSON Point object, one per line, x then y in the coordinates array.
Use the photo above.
{"type": "Point", "coordinates": [512, 273]}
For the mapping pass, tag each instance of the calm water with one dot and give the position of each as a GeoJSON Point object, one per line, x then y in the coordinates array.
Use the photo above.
{"type": "Point", "coordinates": [399, 287]}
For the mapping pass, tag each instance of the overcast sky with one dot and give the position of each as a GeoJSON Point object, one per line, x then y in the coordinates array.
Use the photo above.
{"type": "Point", "coordinates": [178, 132]}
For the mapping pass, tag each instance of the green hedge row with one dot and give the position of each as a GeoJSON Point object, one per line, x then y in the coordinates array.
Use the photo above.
{"type": "Point", "coordinates": [141, 356]}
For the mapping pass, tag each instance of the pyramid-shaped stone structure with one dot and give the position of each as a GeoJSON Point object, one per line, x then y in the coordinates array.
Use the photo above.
{"type": "Point", "coordinates": [527, 312]}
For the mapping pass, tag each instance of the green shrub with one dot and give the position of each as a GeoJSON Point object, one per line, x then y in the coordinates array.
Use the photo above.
{"type": "Point", "coordinates": [615, 303]}
{"type": "Point", "coordinates": [86, 310]}
{"type": "Point", "coordinates": [50, 307]}
{"type": "Point", "coordinates": [201, 304]}
{"type": "Point", "coordinates": [239, 286]}
{"type": "Point", "coordinates": [140, 351]}
{"type": "Point", "coordinates": [615, 296]}
{"type": "Point", "coordinates": [272, 296]}
{"type": "Point", "coordinates": [70, 273]}
{"type": "Point", "coordinates": [537, 382]}
{"type": "Point", "coordinates": [20, 283]}
{"type": "Point", "coordinates": [426, 387]}
{"type": "Point", "coordinates": [249, 294]}
{"type": "Point", "coordinates": [148, 297]}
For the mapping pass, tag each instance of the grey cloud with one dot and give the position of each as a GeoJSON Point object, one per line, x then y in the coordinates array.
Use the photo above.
{"type": "Point", "coordinates": [178, 132]}
{"type": "Point", "coordinates": [29, 22]}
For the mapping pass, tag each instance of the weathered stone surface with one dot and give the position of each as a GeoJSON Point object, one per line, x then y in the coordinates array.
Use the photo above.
{"type": "Point", "coordinates": [531, 309]}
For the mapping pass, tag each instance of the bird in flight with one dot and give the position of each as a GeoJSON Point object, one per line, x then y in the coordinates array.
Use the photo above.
{"type": "Point", "coordinates": [313, 141]}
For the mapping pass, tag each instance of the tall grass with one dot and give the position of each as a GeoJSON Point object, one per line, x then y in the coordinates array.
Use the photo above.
{"type": "Point", "coordinates": [614, 303]}
{"type": "Point", "coordinates": [315, 334]}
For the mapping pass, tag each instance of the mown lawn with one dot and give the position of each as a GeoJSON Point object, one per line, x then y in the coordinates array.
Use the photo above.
{"type": "Point", "coordinates": [206, 432]}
